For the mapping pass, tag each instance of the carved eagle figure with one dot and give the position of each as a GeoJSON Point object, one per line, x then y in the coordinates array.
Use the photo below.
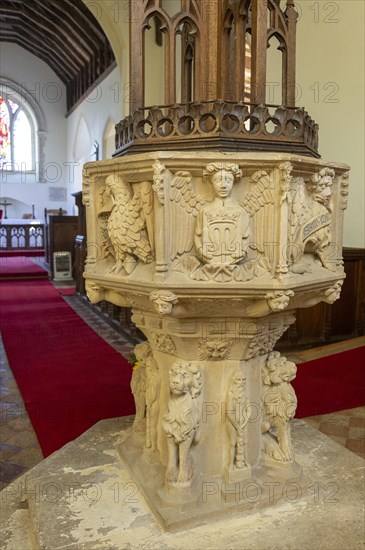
{"type": "Point", "coordinates": [130, 224]}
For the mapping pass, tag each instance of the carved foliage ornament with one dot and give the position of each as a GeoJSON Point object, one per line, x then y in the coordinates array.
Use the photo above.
{"type": "Point", "coordinates": [158, 180]}
{"type": "Point", "coordinates": [163, 342]}
{"type": "Point", "coordinates": [86, 183]}
{"type": "Point", "coordinates": [344, 190]}
{"type": "Point", "coordinates": [267, 335]}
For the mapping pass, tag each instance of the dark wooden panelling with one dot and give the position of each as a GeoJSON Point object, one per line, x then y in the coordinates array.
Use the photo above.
{"type": "Point", "coordinates": [80, 245]}
{"type": "Point", "coordinates": [325, 323]}
{"type": "Point", "coordinates": [348, 313]}
{"type": "Point", "coordinates": [61, 233]}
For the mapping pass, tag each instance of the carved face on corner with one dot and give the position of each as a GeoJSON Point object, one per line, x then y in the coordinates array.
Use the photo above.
{"type": "Point", "coordinates": [163, 306]}
{"type": "Point", "coordinates": [216, 350]}
{"type": "Point", "coordinates": [278, 301]}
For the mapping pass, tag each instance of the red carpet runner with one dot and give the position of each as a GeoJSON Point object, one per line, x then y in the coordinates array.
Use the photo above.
{"type": "Point", "coordinates": [331, 384]}
{"type": "Point", "coordinates": [68, 376]}
{"type": "Point", "coordinates": [21, 267]}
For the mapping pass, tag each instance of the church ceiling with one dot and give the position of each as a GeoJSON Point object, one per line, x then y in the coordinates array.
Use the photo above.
{"type": "Point", "coordinates": [64, 34]}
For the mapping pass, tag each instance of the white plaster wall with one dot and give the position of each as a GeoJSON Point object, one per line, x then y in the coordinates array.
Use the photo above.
{"type": "Point", "coordinates": [22, 67]}
{"type": "Point", "coordinates": [330, 77]}
{"type": "Point", "coordinates": [103, 105]}
{"type": "Point", "coordinates": [113, 17]}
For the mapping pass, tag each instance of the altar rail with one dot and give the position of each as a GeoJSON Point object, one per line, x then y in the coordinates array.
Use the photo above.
{"type": "Point", "coordinates": [22, 236]}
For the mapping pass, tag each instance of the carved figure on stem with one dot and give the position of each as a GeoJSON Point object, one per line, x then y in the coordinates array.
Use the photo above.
{"type": "Point", "coordinates": [238, 412]}
{"type": "Point", "coordinates": [279, 405]}
{"type": "Point", "coordinates": [138, 383]}
{"type": "Point", "coordinates": [130, 224]}
{"type": "Point", "coordinates": [153, 383]}
{"type": "Point", "coordinates": [182, 420]}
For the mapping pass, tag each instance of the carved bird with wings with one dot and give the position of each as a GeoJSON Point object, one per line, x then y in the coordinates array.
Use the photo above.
{"type": "Point", "coordinates": [130, 225]}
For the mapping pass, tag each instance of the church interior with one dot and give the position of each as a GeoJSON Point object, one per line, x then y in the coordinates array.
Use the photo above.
{"type": "Point", "coordinates": [69, 79]}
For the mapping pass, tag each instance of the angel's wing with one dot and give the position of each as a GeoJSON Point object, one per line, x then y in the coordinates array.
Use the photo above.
{"type": "Point", "coordinates": [184, 208]}
{"type": "Point", "coordinates": [260, 204]}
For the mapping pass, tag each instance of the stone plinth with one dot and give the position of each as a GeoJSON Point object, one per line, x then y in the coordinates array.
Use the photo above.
{"type": "Point", "coordinates": [213, 253]}
{"type": "Point", "coordinates": [83, 497]}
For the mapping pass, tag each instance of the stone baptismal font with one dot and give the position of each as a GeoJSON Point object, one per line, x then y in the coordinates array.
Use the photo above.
{"type": "Point", "coordinates": [215, 220]}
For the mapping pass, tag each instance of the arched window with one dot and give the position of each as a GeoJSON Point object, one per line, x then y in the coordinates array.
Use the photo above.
{"type": "Point", "coordinates": [22, 131]}
{"type": "Point", "coordinates": [16, 136]}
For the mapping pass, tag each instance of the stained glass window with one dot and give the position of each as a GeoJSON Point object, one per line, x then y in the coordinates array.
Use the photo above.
{"type": "Point", "coordinates": [16, 137]}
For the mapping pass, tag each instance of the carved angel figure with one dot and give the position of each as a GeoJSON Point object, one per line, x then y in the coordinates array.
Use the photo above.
{"type": "Point", "coordinates": [222, 228]}
{"type": "Point", "coordinates": [130, 224]}
{"type": "Point", "coordinates": [182, 420]}
{"type": "Point", "coordinates": [279, 405]}
{"type": "Point", "coordinates": [238, 412]}
{"type": "Point", "coordinates": [145, 386]}
{"type": "Point", "coordinates": [216, 233]}
{"type": "Point", "coordinates": [310, 221]}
